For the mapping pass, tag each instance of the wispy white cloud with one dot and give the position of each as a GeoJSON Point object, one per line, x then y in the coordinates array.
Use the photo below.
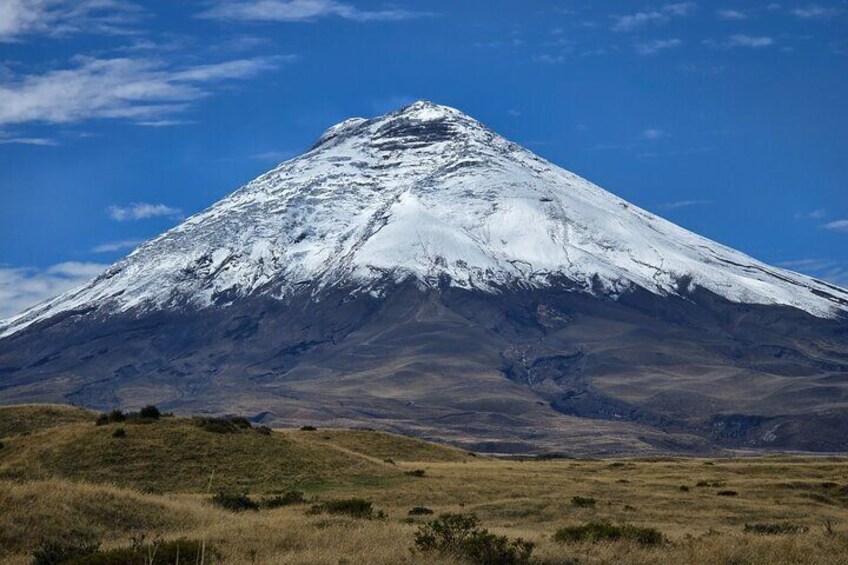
{"type": "Point", "coordinates": [21, 18]}
{"type": "Point", "coordinates": [43, 141]}
{"type": "Point", "coordinates": [815, 12]}
{"type": "Point", "coordinates": [829, 270]}
{"type": "Point", "coordinates": [837, 225]}
{"type": "Point", "coordinates": [142, 211]}
{"type": "Point", "coordinates": [549, 59]}
{"type": "Point", "coordinates": [661, 15]}
{"type": "Point", "coordinates": [652, 47]}
{"type": "Point", "coordinates": [302, 11]}
{"type": "Point", "coordinates": [163, 123]}
{"type": "Point", "coordinates": [115, 246]}
{"type": "Point", "coordinates": [683, 204]}
{"type": "Point", "coordinates": [21, 288]}
{"type": "Point", "coordinates": [742, 40]}
{"type": "Point", "coordinates": [812, 215]}
{"type": "Point", "coordinates": [652, 134]}
{"type": "Point", "coordinates": [124, 88]}
{"type": "Point", "coordinates": [273, 156]}
{"type": "Point", "coordinates": [731, 15]}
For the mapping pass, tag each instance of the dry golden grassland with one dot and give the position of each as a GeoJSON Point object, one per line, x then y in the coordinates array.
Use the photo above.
{"type": "Point", "coordinates": [60, 473]}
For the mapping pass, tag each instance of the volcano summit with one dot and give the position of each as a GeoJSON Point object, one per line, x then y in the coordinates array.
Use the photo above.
{"type": "Point", "coordinates": [419, 273]}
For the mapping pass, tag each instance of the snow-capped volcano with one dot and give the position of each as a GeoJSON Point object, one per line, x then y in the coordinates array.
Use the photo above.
{"type": "Point", "coordinates": [429, 193]}
{"type": "Point", "coordinates": [417, 272]}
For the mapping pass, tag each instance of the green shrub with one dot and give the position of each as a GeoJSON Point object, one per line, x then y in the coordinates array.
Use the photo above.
{"type": "Point", "coordinates": [420, 511]}
{"type": "Point", "coordinates": [222, 425]}
{"type": "Point", "coordinates": [264, 430]}
{"type": "Point", "coordinates": [583, 501]}
{"type": "Point", "coordinates": [727, 493]}
{"type": "Point", "coordinates": [240, 422]}
{"type": "Point", "coordinates": [155, 553]}
{"type": "Point", "coordinates": [389, 461]}
{"type": "Point", "coordinates": [353, 507]}
{"type": "Point", "coordinates": [119, 433]}
{"type": "Point", "coordinates": [110, 417]}
{"type": "Point", "coordinates": [286, 499]}
{"type": "Point", "coordinates": [308, 429]}
{"type": "Point", "coordinates": [775, 529]}
{"type": "Point", "coordinates": [683, 488]}
{"type": "Point", "coordinates": [460, 536]}
{"type": "Point", "coordinates": [416, 473]}
{"type": "Point", "coordinates": [603, 531]}
{"type": "Point", "coordinates": [65, 549]}
{"type": "Point", "coordinates": [150, 412]}
{"type": "Point", "coordinates": [234, 502]}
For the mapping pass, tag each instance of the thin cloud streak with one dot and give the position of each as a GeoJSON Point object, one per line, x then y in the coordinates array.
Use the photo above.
{"type": "Point", "coordinates": [115, 246]}
{"type": "Point", "coordinates": [55, 18]}
{"type": "Point", "coordinates": [142, 211]}
{"type": "Point", "coordinates": [838, 225]}
{"type": "Point", "coordinates": [815, 12]}
{"type": "Point", "coordinates": [631, 22]}
{"type": "Point", "coordinates": [21, 288]}
{"type": "Point", "coordinates": [742, 40]}
{"type": "Point", "coordinates": [124, 88]}
{"type": "Point", "coordinates": [652, 47]}
{"type": "Point", "coordinates": [41, 141]}
{"type": "Point", "coordinates": [302, 11]}
{"type": "Point", "coordinates": [683, 204]}
{"type": "Point", "coordinates": [829, 270]}
{"type": "Point", "coordinates": [731, 15]}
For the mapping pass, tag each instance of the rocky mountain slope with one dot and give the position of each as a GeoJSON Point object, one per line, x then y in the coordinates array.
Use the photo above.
{"type": "Point", "coordinates": [420, 273]}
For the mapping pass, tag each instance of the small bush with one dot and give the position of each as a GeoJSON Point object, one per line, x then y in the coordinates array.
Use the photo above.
{"type": "Point", "coordinates": [460, 536]}
{"type": "Point", "coordinates": [234, 502]}
{"type": "Point", "coordinates": [389, 461]}
{"type": "Point", "coordinates": [683, 488]}
{"type": "Point", "coordinates": [583, 501]}
{"type": "Point", "coordinates": [150, 412]}
{"type": "Point", "coordinates": [2, 445]}
{"type": "Point", "coordinates": [353, 507]}
{"type": "Point", "coordinates": [264, 430]}
{"type": "Point", "coordinates": [775, 529]}
{"type": "Point", "coordinates": [110, 418]}
{"type": "Point", "coordinates": [119, 433]}
{"type": "Point", "coordinates": [221, 425]}
{"type": "Point", "coordinates": [416, 473]}
{"type": "Point", "coordinates": [155, 553]}
{"type": "Point", "coordinates": [65, 550]}
{"type": "Point", "coordinates": [286, 499]}
{"type": "Point", "coordinates": [604, 531]}
{"type": "Point", "coordinates": [727, 493]}
{"type": "Point", "coordinates": [308, 429]}
{"type": "Point", "coordinates": [420, 511]}
{"type": "Point", "coordinates": [240, 422]}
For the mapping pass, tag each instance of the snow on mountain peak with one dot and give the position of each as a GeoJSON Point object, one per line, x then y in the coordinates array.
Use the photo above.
{"type": "Point", "coordinates": [430, 193]}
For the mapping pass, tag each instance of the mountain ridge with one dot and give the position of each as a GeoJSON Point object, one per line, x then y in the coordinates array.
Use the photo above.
{"type": "Point", "coordinates": [420, 274]}
{"type": "Point", "coordinates": [427, 192]}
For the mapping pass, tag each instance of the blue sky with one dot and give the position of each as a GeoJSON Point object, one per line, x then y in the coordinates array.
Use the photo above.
{"type": "Point", "coordinates": [119, 117]}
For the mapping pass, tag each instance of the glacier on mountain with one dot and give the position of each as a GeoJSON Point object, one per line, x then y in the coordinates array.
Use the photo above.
{"type": "Point", "coordinates": [430, 193]}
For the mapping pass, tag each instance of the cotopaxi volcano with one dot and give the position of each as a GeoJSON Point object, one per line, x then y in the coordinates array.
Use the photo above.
{"type": "Point", "coordinates": [419, 273]}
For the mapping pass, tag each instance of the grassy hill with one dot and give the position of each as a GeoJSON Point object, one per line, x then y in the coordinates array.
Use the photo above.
{"type": "Point", "coordinates": [179, 455]}
{"type": "Point", "coordinates": [64, 479]}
